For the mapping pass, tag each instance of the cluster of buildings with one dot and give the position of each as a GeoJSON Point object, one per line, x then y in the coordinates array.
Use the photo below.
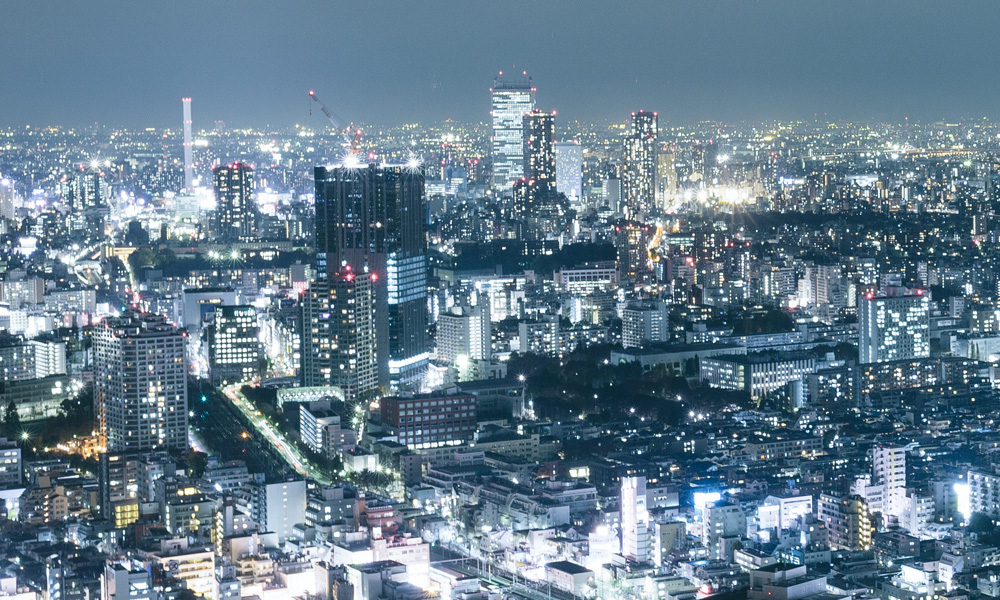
{"type": "Point", "coordinates": [543, 359]}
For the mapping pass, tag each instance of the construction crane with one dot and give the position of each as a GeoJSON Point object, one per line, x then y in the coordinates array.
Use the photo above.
{"type": "Point", "coordinates": [351, 143]}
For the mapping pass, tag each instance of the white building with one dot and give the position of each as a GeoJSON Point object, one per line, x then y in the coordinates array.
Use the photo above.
{"type": "Point", "coordinates": [278, 507]}
{"type": "Point", "coordinates": [569, 170]}
{"type": "Point", "coordinates": [645, 322]}
{"type": "Point", "coordinates": [892, 329]}
{"type": "Point", "coordinates": [140, 383]}
{"type": "Point", "coordinates": [464, 337]}
{"type": "Point", "coordinates": [321, 429]}
{"type": "Point", "coordinates": [779, 512]}
{"type": "Point", "coordinates": [724, 524]}
{"type": "Point", "coordinates": [118, 582]}
{"type": "Point", "coordinates": [635, 519]}
{"type": "Point", "coordinates": [587, 279]}
{"type": "Point", "coordinates": [512, 99]}
{"type": "Point", "coordinates": [50, 358]}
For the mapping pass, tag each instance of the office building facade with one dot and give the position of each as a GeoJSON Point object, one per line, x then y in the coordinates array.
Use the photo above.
{"type": "Point", "coordinates": [234, 349]}
{"type": "Point", "coordinates": [371, 226]}
{"type": "Point", "coordinates": [511, 99]}
{"type": "Point", "coordinates": [431, 420]}
{"type": "Point", "coordinates": [896, 328]}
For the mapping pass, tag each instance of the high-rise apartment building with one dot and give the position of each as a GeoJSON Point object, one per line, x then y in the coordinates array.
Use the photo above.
{"type": "Point", "coordinates": [464, 337]}
{"type": "Point", "coordinates": [140, 383]}
{"type": "Point", "coordinates": [338, 334]}
{"type": "Point", "coordinates": [569, 170]}
{"type": "Point", "coordinates": [645, 322]}
{"type": "Point", "coordinates": [639, 175]}
{"type": "Point", "coordinates": [236, 214]}
{"type": "Point", "coordinates": [847, 521]}
{"type": "Point", "coordinates": [536, 203]}
{"type": "Point", "coordinates": [632, 240]}
{"type": "Point", "coordinates": [234, 349]}
{"type": "Point", "coordinates": [512, 99]}
{"type": "Point", "coordinates": [666, 178]}
{"type": "Point", "coordinates": [371, 225]}
{"type": "Point", "coordinates": [893, 328]}
{"type": "Point", "coordinates": [539, 149]}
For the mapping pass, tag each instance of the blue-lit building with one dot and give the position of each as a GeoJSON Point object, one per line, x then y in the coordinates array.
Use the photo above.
{"type": "Point", "coordinates": [371, 219]}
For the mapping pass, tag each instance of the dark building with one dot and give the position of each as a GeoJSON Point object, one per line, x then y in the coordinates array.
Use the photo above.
{"type": "Point", "coordinates": [431, 420]}
{"type": "Point", "coordinates": [537, 204]}
{"type": "Point", "coordinates": [539, 149]}
{"type": "Point", "coordinates": [373, 220]}
{"type": "Point", "coordinates": [236, 215]}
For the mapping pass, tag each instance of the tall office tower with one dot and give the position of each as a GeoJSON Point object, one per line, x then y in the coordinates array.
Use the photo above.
{"type": "Point", "coordinates": [539, 149]}
{"type": "Point", "coordinates": [569, 170]}
{"type": "Point", "coordinates": [535, 191]}
{"type": "Point", "coordinates": [235, 208]}
{"type": "Point", "coordinates": [512, 99]}
{"type": "Point", "coordinates": [666, 178]}
{"type": "Point", "coordinates": [372, 220]}
{"type": "Point", "coordinates": [639, 176]}
{"type": "Point", "coordinates": [140, 383]}
{"type": "Point", "coordinates": [893, 328]}
{"type": "Point", "coordinates": [234, 350]}
{"type": "Point", "coordinates": [635, 519]}
{"type": "Point", "coordinates": [338, 334]}
{"type": "Point", "coordinates": [188, 147]}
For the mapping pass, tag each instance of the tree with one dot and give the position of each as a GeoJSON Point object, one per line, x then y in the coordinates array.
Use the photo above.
{"type": "Point", "coordinates": [11, 422]}
{"type": "Point", "coordinates": [196, 463]}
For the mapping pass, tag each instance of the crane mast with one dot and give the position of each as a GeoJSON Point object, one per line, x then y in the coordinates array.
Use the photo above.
{"type": "Point", "coordinates": [351, 143]}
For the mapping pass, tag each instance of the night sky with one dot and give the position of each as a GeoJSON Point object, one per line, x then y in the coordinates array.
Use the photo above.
{"type": "Point", "coordinates": [251, 63]}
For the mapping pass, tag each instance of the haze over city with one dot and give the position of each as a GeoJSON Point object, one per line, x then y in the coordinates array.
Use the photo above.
{"type": "Point", "coordinates": [123, 64]}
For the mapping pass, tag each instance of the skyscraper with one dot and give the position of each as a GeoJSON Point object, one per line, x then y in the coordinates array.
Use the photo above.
{"type": "Point", "coordinates": [88, 191]}
{"type": "Point", "coordinates": [371, 220]}
{"type": "Point", "coordinates": [539, 149]}
{"type": "Point", "coordinates": [893, 328]}
{"type": "Point", "coordinates": [639, 176]}
{"type": "Point", "coordinates": [338, 334]}
{"type": "Point", "coordinates": [235, 209]}
{"type": "Point", "coordinates": [512, 99]}
{"type": "Point", "coordinates": [539, 167]}
{"type": "Point", "coordinates": [536, 203]}
{"type": "Point", "coordinates": [140, 383]}
{"type": "Point", "coordinates": [569, 170]}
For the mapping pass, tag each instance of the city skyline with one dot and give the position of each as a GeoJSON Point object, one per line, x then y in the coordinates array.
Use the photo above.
{"type": "Point", "coordinates": [689, 61]}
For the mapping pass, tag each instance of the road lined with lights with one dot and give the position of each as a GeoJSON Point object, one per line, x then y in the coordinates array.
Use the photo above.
{"type": "Point", "coordinates": [291, 455]}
